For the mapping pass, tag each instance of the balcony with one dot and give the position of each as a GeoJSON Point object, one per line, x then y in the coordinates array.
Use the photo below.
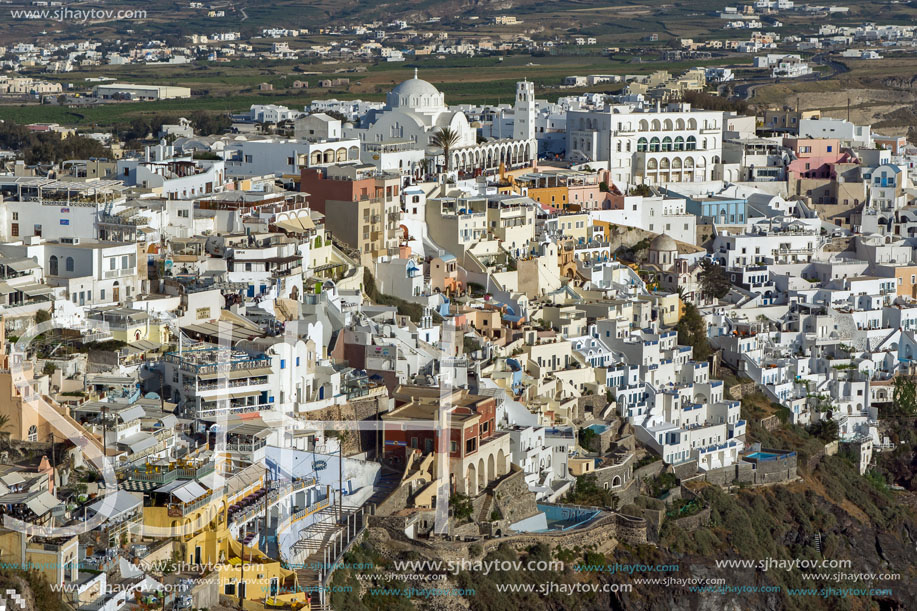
{"type": "Point", "coordinates": [165, 477]}
{"type": "Point", "coordinates": [242, 409]}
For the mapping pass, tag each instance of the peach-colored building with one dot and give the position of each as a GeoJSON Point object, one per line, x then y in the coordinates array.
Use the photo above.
{"type": "Point", "coordinates": [813, 147]}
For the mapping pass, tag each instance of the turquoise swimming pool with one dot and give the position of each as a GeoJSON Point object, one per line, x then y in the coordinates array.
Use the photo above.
{"type": "Point", "coordinates": [762, 455]}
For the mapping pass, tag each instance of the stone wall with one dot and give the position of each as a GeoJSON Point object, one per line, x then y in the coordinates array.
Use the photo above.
{"type": "Point", "coordinates": [770, 423]}
{"type": "Point", "coordinates": [631, 529]}
{"type": "Point", "coordinates": [765, 472]}
{"type": "Point", "coordinates": [739, 391]}
{"type": "Point", "coordinates": [627, 442]}
{"type": "Point", "coordinates": [593, 404]}
{"type": "Point", "coordinates": [513, 499]}
{"type": "Point", "coordinates": [685, 470]}
{"type": "Point", "coordinates": [398, 499]}
{"type": "Point", "coordinates": [607, 475]}
{"type": "Point", "coordinates": [651, 470]}
{"type": "Point", "coordinates": [692, 523]}
{"type": "Point", "coordinates": [355, 441]}
{"type": "Point", "coordinates": [628, 493]}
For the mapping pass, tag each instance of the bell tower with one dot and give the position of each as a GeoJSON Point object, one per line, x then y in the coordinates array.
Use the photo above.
{"type": "Point", "coordinates": [524, 111]}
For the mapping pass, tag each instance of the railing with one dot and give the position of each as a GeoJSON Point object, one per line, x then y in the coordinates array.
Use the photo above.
{"type": "Point", "coordinates": [245, 447]}
{"type": "Point", "coordinates": [228, 384]}
{"type": "Point", "coordinates": [275, 495]}
{"type": "Point", "coordinates": [242, 409]}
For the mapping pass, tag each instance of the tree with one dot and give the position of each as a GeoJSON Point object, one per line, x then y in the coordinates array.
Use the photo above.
{"type": "Point", "coordinates": [825, 429]}
{"type": "Point", "coordinates": [445, 139]}
{"type": "Point", "coordinates": [586, 491]}
{"type": "Point", "coordinates": [208, 123]}
{"type": "Point", "coordinates": [586, 437]}
{"type": "Point", "coordinates": [692, 331]}
{"type": "Point", "coordinates": [643, 190]}
{"type": "Point", "coordinates": [42, 316]}
{"type": "Point", "coordinates": [904, 398]}
{"type": "Point", "coordinates": [713, 279]}
{"type": "Point", "coordinates": [461, 505]}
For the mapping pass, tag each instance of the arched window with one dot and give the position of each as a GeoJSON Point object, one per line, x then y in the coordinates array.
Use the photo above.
{"type": "Point", "coordinates": [679, 124]}
{"type": "Point", "coordinates": [667, 125]}
{"type": "Point", "coordinates": [656, 125]}
{"type": "Point", "coordinates": [644, 126]}
{"type": "Point", "coordinates": [654, 145]}
{"type": "Point", "coordinates": [667, 144]}
{"type": "Point", "coordinates": [628, 146]}
{"type": "Point", "coordinates": [69, 264]}
{"type": "Point", "coordinates": [679, 143]}
{"type": "Point", "coordinates": [692, 124]}
{"type": "Point", "coordinates": [33, 433]}
{"type": "Point", "coordinates": [52, 264]}
{"type": "Point", "coordinates": [641, 145]}
{"type": "Point", "coordinates": [691, 143]}
{"type": "Point", "coordinates": [619, 146]}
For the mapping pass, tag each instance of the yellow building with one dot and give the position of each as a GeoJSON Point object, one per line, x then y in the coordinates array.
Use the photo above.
{"type": "Point", "coordinates": [906, 281]}
{"type": "Point", "coordinates": [129, 325]}
{"type": "Point", "coordinates": [198, 519]}
{"type": "Point", "coordinates": [57, 558]}
{"type": "Point", "coordinates": [259, 579]}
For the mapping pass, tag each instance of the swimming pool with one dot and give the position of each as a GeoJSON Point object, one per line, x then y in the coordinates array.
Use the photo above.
{"type": "Point", "coordinates": [762, 455]}
{"type": "Point", "coordinates": [566, 517]}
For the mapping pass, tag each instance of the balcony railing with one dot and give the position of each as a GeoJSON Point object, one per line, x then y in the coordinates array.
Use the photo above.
{"type": "Point", "coordinates": [242, 409]}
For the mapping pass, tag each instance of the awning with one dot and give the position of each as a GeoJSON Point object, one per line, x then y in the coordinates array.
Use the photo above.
{"type": "Point", "coordinates": [189, 492]}
{"type": "Point", "coordinates": [43, 503]}
{"type": "Point", "coordinates": [296, 225]}
{"type": "Point", "coordinates": [125, 502]}
{"type": "Point", "coordinates": [139, 442]}
{"type": "Point", "coordinates": [21, 265]}
{"type": "Point", "coordinates": [6, 289]}
{"type": "Point", "coordinates": [34, 290]}
{"type": "Point", "coordinates": [132, 413]}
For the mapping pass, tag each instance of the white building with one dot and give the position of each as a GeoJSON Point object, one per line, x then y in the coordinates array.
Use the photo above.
{"type": "Point", "coordinates": [648, 145]}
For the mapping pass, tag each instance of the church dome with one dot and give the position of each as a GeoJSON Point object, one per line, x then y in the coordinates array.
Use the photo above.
{"type": "Point", "coordinates": [663, 243]}
{"type": "Point", "coordinates": [415, 86]}
{"type": "Point", "coordinates": [416, 95]}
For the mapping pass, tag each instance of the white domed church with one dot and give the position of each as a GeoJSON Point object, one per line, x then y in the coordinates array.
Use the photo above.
{"type": "Point", "coordinates": [415, 110]}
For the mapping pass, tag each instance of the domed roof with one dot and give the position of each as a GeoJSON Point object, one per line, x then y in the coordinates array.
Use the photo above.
{"type": "Point", "coordinates": [663, 242]}
{"type": "Point", "coordinates": [415, 86]}
{"type": "Point", "coordinates": [415, 95]}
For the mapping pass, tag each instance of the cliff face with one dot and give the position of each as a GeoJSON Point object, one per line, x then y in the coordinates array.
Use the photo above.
{"type": "Point", "coordinates": [840, 534]}
{"type": "Point", "coordinates": [832, 539]}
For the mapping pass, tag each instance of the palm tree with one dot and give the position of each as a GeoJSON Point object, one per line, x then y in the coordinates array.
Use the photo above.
{"type": "Point", "coordinates": [445, 139]}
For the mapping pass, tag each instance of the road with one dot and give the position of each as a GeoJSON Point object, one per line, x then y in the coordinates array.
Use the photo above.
{"type": "Point", "coordinates": [745, 90]}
